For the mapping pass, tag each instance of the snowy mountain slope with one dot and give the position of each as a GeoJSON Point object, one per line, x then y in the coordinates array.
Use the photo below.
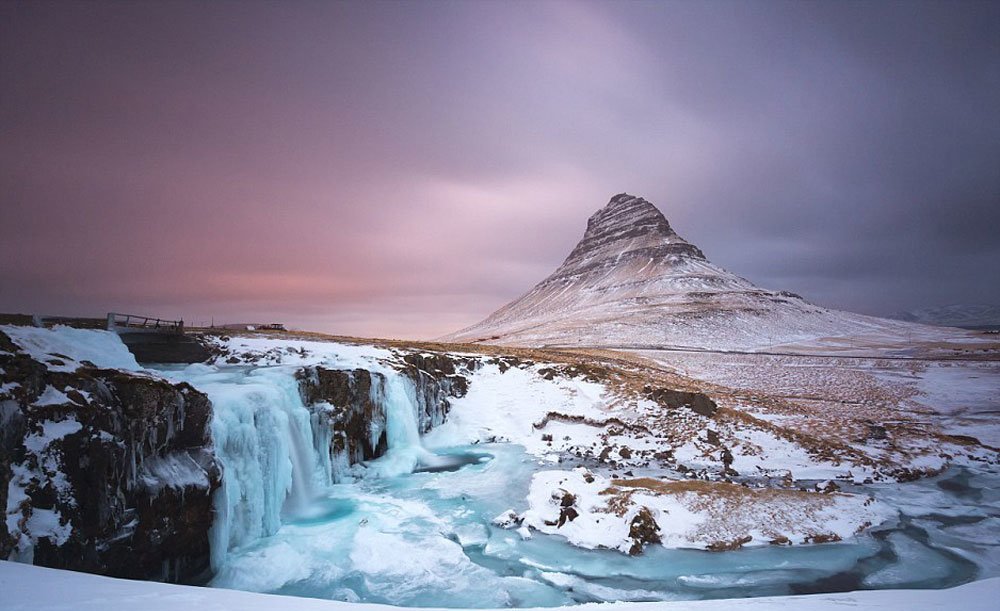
{"type": "Point", "coordinates": [970, 316]}
{"type": "Point", "coordinates": [632, 281]}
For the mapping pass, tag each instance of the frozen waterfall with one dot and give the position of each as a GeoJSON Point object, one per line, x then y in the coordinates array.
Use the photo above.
{"type": "Point", "coordinates": [275, 454]}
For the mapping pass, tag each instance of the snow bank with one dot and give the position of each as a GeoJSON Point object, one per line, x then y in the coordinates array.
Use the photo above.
{"type": "Point", "coordinates": [592, 511]}
{"type": "Point", "coordinates": [65, 348]}
{"type": "Point", "coordinates": [266, 351]}
{"type": "Point", "coordinates": [31, 588]}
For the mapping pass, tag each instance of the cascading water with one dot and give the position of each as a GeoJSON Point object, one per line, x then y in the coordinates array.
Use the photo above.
{"type": "Point", "coordinates": [293, 517]}
{"type": "Point", "coordinates": [275, 452]}
{"type": "Point", "coordinates": [398, 396]}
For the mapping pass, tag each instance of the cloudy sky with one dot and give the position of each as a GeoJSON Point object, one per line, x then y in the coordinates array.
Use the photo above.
{"type": "Point", "coordinates": [403, 169]}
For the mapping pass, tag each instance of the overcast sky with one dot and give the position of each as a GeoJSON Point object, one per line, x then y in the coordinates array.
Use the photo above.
{"type": "Point", "coordinates": [403, 169]}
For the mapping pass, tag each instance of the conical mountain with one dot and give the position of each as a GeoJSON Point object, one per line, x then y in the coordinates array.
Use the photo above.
{"type": "Point", "coordinates": [633, 282]}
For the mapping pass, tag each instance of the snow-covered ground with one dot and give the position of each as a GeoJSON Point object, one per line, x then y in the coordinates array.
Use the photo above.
{"type": "Point", "coordinates": [30, 588]}
{"type": "Point", "coordinates": [560, 472]}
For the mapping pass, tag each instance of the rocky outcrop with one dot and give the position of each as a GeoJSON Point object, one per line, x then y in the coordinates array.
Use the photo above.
{"type": "Point", "coordinates": [104, 471]}
{"type": "Point", "coordinates": [436, 377]}
{"type": "Point", "coordinates": [166, 347]}
{"type": "Point", "coordinates": [348, 406]}
{"type": "Point", "coordinates": [699, 403]}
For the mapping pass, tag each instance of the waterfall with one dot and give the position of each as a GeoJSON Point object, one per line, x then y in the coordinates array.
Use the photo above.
{"type": "Point", "coordinates": [398, 396]}
{"type": "Point", "coordinates": [263, 438]}
{"type": "Point", "coordinates": [275, 453]}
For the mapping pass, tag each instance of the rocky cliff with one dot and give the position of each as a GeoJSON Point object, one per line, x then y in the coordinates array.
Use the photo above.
{"type": "Point", "coordinates": [103, 470]}
{"type": "Point", "coordinates": [348, 407]}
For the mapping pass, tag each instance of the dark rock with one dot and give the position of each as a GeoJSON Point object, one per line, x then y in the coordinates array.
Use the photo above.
{"type": "Point", "coordinates": [876, 431]}
{"type": "Point", "coordinates": [125, 515]}
{"type": "Point", "coordinates": [823, 538]}
{"type": "Point", "coordinates": [712, 437]}
{"type": "Point", "coordinates": [642, 530]}
{"type": "Point", "coordinates": [437, 378]}
{"type": "Point", "coordinates": [357, 420]}
{"type": "Point", "coordinates": [166, 347]}
{"type": "Point", "coordinates": [566, 514]}
{"type": "Point", "coordinates": [728, 546]}
{"type": "Point", "coordinates": [568, 499]}
{"type": "Point", "coordinates": [356, 415]}
{"type": "Point", "coordinates": [828, 488]}
{"type": "Point", "coordinates": [697, 402]}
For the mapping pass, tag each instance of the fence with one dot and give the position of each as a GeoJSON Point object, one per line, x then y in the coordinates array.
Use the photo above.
{"type": "Point", "coordinates": [133, 323]}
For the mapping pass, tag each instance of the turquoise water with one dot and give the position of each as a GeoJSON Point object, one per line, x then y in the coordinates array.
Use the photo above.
{"type": "Point", "coordinates": [415, 528]}
{"type": "Point", "coordinates": [425, 539]}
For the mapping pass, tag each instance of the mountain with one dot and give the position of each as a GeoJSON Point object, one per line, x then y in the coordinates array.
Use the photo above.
{"type": "Point", "coordinates": [968, 316]}
{"type": "Point", "coordinates": [633, 282]}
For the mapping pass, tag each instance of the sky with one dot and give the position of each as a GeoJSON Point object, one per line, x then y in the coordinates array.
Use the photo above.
{"type": "Point", "coordinates": [402, 169]}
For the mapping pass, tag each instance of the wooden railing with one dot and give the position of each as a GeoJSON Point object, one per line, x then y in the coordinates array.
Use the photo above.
{"type": "Point", "coordinates": [125, 323]}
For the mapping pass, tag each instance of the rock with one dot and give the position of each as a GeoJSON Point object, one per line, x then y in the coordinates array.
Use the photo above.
{"type": "Point", "coordinates": [566, 514]}
{"type": "Point", "coordinates": [437, 377]}
{"type": "Point", "coordinates": [876, 431]}
{"type": "Point", "coordinates": [828, 487]}
{"type": "Point", "coordinates": [124, 464]}
{"type": "Point", "coordinates": [823, 538]}
{"type": "Point", "coordinates": [642, 530]}
{"type": "Point", "coordinates": [625, 452]}
{"type": "Point", "coordinates": [508, 519]}
{"type": "Point", "coordinates": [351, 402]}
{"type": "Point", "coordinates": [357, 420]}
{"type": "Point", "coordinates": [567, 499]}
{"type": "Point", "coordinates": [712, 437]}
{"type": "Point", "coordinates": [697, 402]}
{"type": "Point", "coordinates": [728, 546]}
{"type": "Point", "coordinates": [546, 437]}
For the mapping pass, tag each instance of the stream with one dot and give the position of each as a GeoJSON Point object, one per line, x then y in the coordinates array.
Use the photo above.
{"type": "Point", "coordinates": [413, 528]}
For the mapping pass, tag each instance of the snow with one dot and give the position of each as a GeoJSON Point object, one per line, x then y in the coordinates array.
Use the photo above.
{"type": "Point", "coordinates": [31, 588]}
{"type": "Point", "coordinates": [51, 431]}
{"type": "Point", "coordinates": [280, 351]}
{"type": "Point", "coordinates": [51, 396]}
{"type": "Point", "coordinates": [273, 534]}
{"type": "Point", "coordinates": [72, 346]}
{"type": "Point", "coordinates": [505, 406]}
{"type": "Point", "coordinates": [966, 397]}
{"type": "Point", "coordinates": [694, 518]}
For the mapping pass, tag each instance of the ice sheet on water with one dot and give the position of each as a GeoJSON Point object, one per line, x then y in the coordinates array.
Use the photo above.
{"type": "Point", "coordinates": [914, 562]}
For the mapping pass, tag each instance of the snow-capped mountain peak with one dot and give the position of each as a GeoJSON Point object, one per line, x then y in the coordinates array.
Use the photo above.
{"type": "Point", "coordinates": [633, 281]}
